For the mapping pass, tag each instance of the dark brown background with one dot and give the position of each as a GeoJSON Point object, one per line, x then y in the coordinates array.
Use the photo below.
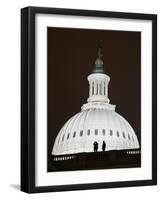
{"type": "Point", "coordinates": [71, 57]}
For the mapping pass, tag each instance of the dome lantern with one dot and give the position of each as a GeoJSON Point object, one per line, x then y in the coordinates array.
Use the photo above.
{"type": "Point", "coordinates": [98, 83]}
{"type": "Point", "coordinates": [99, 61]}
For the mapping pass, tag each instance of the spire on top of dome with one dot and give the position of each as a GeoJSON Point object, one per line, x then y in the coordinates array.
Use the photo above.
{"type": "Point", "coordinates": [99, 62]}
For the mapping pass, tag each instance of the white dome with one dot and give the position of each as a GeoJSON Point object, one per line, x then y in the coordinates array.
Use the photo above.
{"type": "Point", "coordinates": [95, 124]}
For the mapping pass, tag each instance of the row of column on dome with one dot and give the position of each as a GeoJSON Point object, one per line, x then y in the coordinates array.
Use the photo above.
{"type": "Point", "coordinates": [98, 88]}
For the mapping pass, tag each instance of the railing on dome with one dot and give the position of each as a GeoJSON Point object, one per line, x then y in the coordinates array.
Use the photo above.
{"type": "Point", "coordinates": [107, 159]}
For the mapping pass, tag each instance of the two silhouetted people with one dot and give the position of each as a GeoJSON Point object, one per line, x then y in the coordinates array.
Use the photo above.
{"type": "Point", "coordinates": [95, 144]}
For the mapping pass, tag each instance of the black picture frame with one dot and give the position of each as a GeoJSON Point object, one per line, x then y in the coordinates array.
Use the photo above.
{"type": "Point", "coordinates": [28, 98]}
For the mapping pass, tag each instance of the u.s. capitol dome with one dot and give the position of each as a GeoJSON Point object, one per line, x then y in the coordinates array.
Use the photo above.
{"type": "Point", "coordinates": [96, 122]}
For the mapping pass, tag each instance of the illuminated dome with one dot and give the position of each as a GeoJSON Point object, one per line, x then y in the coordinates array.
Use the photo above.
{"type": "Point", "coordinates": [98, 121]}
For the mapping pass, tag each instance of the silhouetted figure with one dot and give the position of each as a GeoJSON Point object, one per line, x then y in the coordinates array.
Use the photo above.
{"type": "Point", "coordinates": [103, 146]}
{"type": "Point", "coordinates": [95, 144]}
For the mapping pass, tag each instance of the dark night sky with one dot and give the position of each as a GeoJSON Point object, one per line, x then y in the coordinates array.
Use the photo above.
{"type": "Point", "coordinates": [71, 57]}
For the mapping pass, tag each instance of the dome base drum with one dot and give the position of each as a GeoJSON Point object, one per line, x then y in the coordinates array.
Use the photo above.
{"type": "Point", "coordinates": [96, 160]}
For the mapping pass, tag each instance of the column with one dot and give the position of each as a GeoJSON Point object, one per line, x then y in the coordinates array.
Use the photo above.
{"type": "Point", "coordinates": [90, 88]}
{"type": "Point", "coordinates": [95, 87]}
{"type": "Point", "coordinates": [106, 88]}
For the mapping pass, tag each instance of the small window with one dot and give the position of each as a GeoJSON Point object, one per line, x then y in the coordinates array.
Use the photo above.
{"type": "Point", "coordinates": [81, 133]}
{"type": "Point", "coordinates": [88, 132]}
{"type": "Point", "coordinates": [132, 138]}
{"type": "Point", "coordinates": [58, 140]}
{"type": "Point", "coordinates": [96, 131]}
{"type": "Point", "coordinates": [128, 136]}
{"type": "Point", "coordinates": [103, 132]}
{"type": "Point", "coordinates": [63, 138]}
{"type": "Point", "coordinates": [117, 133]}
{"type": "Point", "coordinates": [68, 135]}
{"type": "Point", "coordinates": [74, 134]}
{"type": "Point", "coordinates": [123, 134]}
{"type": "Point", "coordinates": [111, 133]}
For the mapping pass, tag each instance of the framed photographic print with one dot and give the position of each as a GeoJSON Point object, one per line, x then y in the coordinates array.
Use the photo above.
{"type": "Point", "coordinates": [88, 99]}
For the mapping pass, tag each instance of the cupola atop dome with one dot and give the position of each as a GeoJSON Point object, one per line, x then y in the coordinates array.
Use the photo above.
{"type": "Point", "coordinates": [98, 85]}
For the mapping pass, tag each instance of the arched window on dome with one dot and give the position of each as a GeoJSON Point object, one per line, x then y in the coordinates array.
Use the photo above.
{"type": "Point", "coordinates": [132, 138]}
{"type": "Point", "coordinates": [117, 133]}
{"type": "Point", "coordinates": [81, 132]}
{"type": "Point", "coordinates": [74, 134]}
{"type": "Point", "coordinates": [68, 135]}
{"type": "Point", "coordinates": [103, 132]}
{"type": "Point", "coordinates": [58, 140]}
{"type": "Point", "coordinates": [88, 132]}
{"type": "Point", "coordinates": [63, 138]}
{"type": "Point", "coordinates": [96, 131]}
{"type": "Point", "coordinates": [123, 134]}
{"type": "Point", "coordinates": [111, 133]}
{"type": "Point", "coordinates": [128, 136]}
